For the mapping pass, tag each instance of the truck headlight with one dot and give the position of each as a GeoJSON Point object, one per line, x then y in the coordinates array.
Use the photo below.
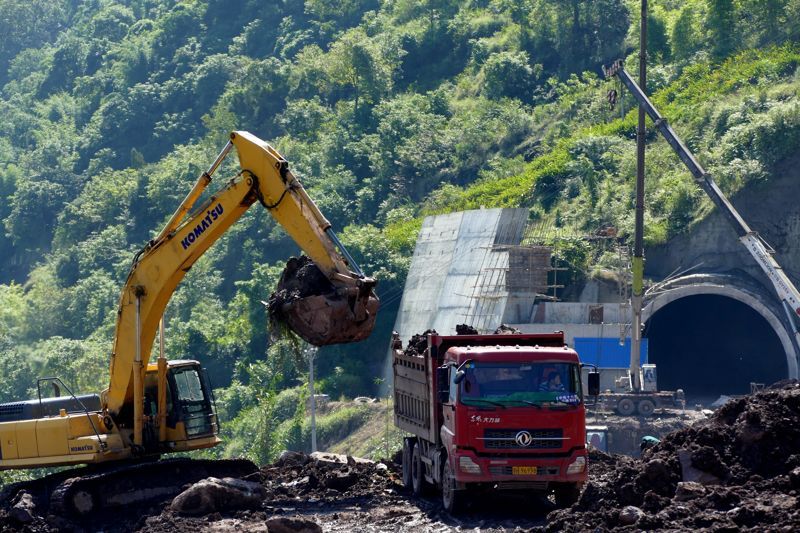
{"type": "Point", "coordinates": [577, 466]}
{"type": "Point", "coordinates": [468, 466]}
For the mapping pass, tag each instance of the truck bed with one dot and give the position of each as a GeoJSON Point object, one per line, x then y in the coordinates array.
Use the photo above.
{"type": "Point", "coordinates": [413, 410]}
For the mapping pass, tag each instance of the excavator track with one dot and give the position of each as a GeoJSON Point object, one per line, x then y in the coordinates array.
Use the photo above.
{"type": "Point", "coordinates": [103, 489]}
{"type": "Point", "coordinates": [140, 483]}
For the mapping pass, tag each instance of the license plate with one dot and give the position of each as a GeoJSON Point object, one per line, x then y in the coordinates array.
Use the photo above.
{"type": "Point", "coordinates": [523, 470]}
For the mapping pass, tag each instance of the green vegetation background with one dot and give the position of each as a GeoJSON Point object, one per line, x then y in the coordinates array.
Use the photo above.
{"type": "Point", "coordinates": [389, 110]}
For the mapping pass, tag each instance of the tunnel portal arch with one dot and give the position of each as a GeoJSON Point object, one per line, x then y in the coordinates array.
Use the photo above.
{"type": "Point", "coordinates": [735, 287]}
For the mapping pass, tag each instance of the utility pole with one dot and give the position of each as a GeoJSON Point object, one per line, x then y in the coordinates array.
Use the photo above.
{"type": "Point", "coordinates": [638, 246]}
{"type": "Point", "coordinates": [311, 352]}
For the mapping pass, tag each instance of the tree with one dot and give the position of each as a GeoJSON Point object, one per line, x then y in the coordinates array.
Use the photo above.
{"type": "Point", "coordinates": [684, 39]}
{"type": "Point", "coordinates": [365, 66]}
{"type": "Point", "coordinates": [34, 208]}
{"type": "Point", "coordinates": [721, 25]}
{"type": "Point", "coordinates": [589, 33]}
{"type": "Point", "coordinates": [28, 24]}
{"type": "Point", "coordinates": [509, 74]}
{"type": "Point", "coordinates": [769, 18]}
{"type": "Point", "coordinates": [657, 41]}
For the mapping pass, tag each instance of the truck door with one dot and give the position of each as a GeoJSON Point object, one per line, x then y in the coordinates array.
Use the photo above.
{"type": "Point", "coordinates": [448, 431]}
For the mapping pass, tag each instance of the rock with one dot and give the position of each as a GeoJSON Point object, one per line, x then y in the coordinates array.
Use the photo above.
{"type": "Point", "coordinates": [24, 511]}
{"type": "Point", "coordinates": [288, 457]}
{"type": "Point", "coordinates": [794, 477]}
{"type": "Point", "coordinates": [341, 481]}
{"type": "Point", "coordinates": [292, 525]}
{"type": "Point", "coordinates": [333, 459]}
{"type": "Point", "coordinates": [708, 460]}
{"type": "Point", "coordinates": [630, 515]}
{"type": "Point", "coordinates": [689, 490]}
{"type": "Point", "coordinates": [691, 473]}
{"type": "Point", "coordinates": [212, 495]}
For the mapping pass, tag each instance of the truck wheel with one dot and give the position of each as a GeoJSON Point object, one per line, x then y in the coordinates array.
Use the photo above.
{"type": "Point", "coordinates": [407, 444]}
{"type": "Point", "coordinates": [567, 494]}
{"type": "Point", "coordinates": [626, 407]}
{"type": "Point", "coordinates": [646, 407]}
{"type": "Point", "coordinates": [452, 499]}
{"type": "Point", "coordinates": [417, 473]}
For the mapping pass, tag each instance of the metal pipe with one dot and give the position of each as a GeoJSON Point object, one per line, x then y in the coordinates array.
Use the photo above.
{"type": "Point", "coordinates": [162, 386]}
{"type": "Point", "coordinates": [638, 246]}
{"type": "Point", "coordinates": [198, 188]}
{"type": "Point", "coordinates": [350, 261]}
{"type": "Point", "coordinates": [138, 389]}
{"type": "Point", "coordinates": [312, 352]}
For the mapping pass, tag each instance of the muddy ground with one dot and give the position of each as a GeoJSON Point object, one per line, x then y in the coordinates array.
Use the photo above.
{"type": "Point", "coordinates": [300, 493]}
{"type": "Point", "coordinates": [737, 470]}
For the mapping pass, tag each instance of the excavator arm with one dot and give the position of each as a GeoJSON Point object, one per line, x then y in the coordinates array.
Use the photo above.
{"type": "Point", "coordinates": [345, 312]}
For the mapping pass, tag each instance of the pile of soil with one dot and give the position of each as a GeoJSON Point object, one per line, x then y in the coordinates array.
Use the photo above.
{"type": "Point", "coordinates": [504, 329]}
{"type": "Point", "coordinates": [300, 278]}
{"type": "Point", "coordinates": [739, 469]}
{"type": "Point", "coordinates": [418, 343]}
{"type": "Point", "coordinates": [297, 475]}
{"type": "Point", "coordinates": [296, 481]}
{"type": "Point", "coordinates": [465, 329]}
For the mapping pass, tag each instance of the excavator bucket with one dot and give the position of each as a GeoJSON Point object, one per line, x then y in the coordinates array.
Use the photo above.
{"type": "Point", "coordinates": [320, 311]}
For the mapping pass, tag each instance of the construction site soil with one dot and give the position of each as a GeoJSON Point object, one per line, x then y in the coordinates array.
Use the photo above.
{"type": "Point", "coordinates": [737, 470]}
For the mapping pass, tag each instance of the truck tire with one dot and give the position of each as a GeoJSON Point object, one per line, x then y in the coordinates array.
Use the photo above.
{"type": "Point", "coordinates": [645, 407]}
{"type": "Point", "coordinates": [452, 498]}
{"type": "Point", "coordinates": [626, 407]}
{"type": "Point", "coordinates": [417, 471]}
{"type": "Point", "coordinates": [567, 494]}
{"type": "Point", "coordinates": [407, 445]}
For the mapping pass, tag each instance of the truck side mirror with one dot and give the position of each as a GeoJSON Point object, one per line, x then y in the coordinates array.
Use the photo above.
{"type": "Point", "coordinates": [460, 375]}
{"type": "Point", "coordinates": [594, 383]}
{"type": "Point", "coordinates": [443, 383]}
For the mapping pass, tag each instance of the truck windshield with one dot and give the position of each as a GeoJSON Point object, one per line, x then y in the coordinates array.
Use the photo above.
{"type": "Point", "coordinates": [520, 383]}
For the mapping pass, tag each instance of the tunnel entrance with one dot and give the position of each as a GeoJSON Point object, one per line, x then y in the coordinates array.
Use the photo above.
{"type": "Point", "coordinates": [709, 345]}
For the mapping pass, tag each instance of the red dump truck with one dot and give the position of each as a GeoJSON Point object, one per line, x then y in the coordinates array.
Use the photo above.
{"type": "Point", "coordinates": [491, 412]}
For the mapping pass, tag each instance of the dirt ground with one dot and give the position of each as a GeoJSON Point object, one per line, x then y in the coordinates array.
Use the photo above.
{"type": "Point", "coordinates": [738, 470]}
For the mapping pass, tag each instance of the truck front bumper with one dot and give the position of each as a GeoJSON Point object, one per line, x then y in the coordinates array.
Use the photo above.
{"type": "Point", "coordinates": [523, 472]}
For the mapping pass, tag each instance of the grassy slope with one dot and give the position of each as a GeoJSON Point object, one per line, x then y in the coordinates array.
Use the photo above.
{"type": "Point", "coordinates": [696, 102]}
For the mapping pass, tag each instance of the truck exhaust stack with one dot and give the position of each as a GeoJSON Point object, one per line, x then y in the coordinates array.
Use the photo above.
{"type": "Point", "coordinates": [322, 311]}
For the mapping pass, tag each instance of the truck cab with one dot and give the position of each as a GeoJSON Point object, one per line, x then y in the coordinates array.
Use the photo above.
{"type": "Point", "coordinates": [506, 412]}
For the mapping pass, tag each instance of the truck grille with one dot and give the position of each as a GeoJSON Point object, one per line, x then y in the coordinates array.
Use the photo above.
{"type": "Point", "coordinates": [522, 485]}
{"type": "Point", "coordinates": [506, 439]}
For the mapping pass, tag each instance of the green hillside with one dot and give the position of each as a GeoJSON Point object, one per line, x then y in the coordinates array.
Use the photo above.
{"type": "Point", "coordinates": [388, 110]}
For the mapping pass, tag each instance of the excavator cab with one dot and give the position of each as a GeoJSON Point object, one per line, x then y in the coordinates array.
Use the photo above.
{"type": "Point", "coordinates": [192, 400]}
{"type": "Point", "coordinates": [190, 408]}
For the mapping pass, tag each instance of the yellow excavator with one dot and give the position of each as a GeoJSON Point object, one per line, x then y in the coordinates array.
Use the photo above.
{"type": "Point", "coordinates": [149, 408]}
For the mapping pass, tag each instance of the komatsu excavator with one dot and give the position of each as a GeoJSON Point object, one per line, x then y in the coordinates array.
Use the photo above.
{"type": "Point", "coordinates": [153, 408]}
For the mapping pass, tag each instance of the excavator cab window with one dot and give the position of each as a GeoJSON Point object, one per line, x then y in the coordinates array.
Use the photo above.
{"type": "Point", "coordinates": [193, 400]}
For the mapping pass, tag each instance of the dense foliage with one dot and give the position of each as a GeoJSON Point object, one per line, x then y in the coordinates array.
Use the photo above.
{"type": "Point", "coordinates": [388, 110]}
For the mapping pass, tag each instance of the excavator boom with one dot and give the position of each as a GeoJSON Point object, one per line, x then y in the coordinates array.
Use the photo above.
{"type": "Point", "coordinates": [342, 309]}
